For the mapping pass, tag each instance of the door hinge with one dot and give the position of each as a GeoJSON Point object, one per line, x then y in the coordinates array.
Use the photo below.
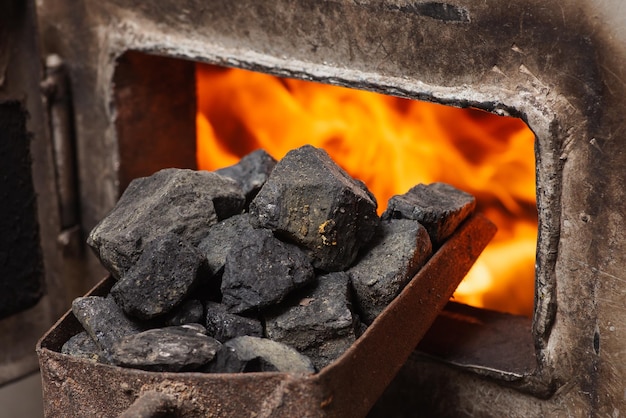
{"type": "Point", "coordinates": [58, 99]}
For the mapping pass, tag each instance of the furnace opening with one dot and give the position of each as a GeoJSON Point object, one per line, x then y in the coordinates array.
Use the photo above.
{"type": "Point", "coordinates": [158, 106]}
{"type": "Point", "coordinates": [391, 144]}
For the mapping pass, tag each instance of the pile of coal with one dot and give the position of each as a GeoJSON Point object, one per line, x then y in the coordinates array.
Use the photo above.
{"type": "Point", "coordinates": [261, 266]}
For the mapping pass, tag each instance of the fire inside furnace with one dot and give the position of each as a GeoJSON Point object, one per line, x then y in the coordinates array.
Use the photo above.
{"type": "Point", "coordinates": [391, 144]}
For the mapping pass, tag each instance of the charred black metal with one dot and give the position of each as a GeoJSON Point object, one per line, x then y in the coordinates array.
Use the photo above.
{"type": "Point", "coordinates": [22, 281]}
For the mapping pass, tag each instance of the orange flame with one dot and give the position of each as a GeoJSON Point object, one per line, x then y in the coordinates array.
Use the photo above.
{"type": "Point", "coordinates": [391, 144]}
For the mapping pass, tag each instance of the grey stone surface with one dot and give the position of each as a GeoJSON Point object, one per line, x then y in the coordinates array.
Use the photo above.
{"type": "Point", "coordinates": [189, 312]}
{"type": "Point", "coordinates": [440, 207]}
{"type": "Point", "coordinates": [184, 202]}
{"type": "Point", "coordinates": [311, 201]}
{"type": "Point", "coordinates": [166, 272]}
{"type": "Point", "coordinates": [251, 172]}
{"type": "Point", "coordinates": [223, 325]}
{"type": "Point", "coordinates": [83, 346]}
{"type": "Point", "coordinates": [104, 321]}
{"type": "Point", "coordinates": [261, 354]}
{"type": "Point", "coordinates": [173, 349]}
{"type": "Point", "coordinates": [400, 248]}
{"type": "Point", "coordinates": [220, 237]}
{"type": "Point", "coordinates": [227, 361]}
{"type": "Point", "coordinates": [319, 322]}
{"type": "Point", "coordinates": [261, 270]}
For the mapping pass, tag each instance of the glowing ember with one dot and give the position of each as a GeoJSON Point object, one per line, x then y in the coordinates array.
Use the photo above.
{"type": "Point", "coordinates": [391, 144]}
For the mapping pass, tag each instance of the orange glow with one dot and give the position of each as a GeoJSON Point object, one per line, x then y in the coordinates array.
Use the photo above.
{"type": "Point", "coordinates": [391, 144]}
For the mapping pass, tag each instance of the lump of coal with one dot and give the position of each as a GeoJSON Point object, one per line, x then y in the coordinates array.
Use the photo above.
{"type": "Point", "coordinates": [399, 250]}
{"type": "Point", "coordinates": [104, 321]}
{"type": "Point", "coordinates": [259, 355]}
{"type": "Point", "coordinates": [251, 172]}
{"type": "Point", "coordinates": [81, 345]}
{"type": "Point", "coordinates": [220, 238]}
{"type": "Point", "coordinates": [311, 201]}
{"type": "Point", "coordinates": [189, 312]}
{"type": "Point", "coordinates": [167, 270]}
{"type": "Point", "coordinates": [261, 270]}
{"type": "Point", "coordinates": [183, 202]}
{"type": "Point", "coordinates": [223, 325]}
{"type": "Point", "coordinates": [227, 361]}
{"type": "Point", "coordinates": [169, 349]}
{"type": "Point", "coordinates": [319, 322]}
{"type": "Point", "coordinates": [439, 207]}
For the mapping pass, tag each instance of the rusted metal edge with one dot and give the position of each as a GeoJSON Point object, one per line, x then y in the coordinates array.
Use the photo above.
{"type": "Point", "coordinates": [348, 387]}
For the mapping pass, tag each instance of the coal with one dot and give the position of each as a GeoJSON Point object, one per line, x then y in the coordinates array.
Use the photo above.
{"type": "Point", "coordinates": [319, 323]}
{"type": "Point", "coordinates": [227, 361]}
{"type": "Point", "coordinates": [219, 239]}
{"type": "Point", "coordinates": [189, 312]}
{"type": "Point", "coordinates": [440, 207]}
{"type": "Point", "coordinates": [261, 270]}
{"type": "Point", "coordinates": [400, 248]}
{"type": "Point", "coordinates": [187, 256]}
{"type": "Point", "coordinates": [312, 202]}
{"type": "Point", "coordinates": [83, 346]}
{"type": "Point", "coordinates": [223, 325]}
{"type": "Point", "coordinates": [251, 172]}
{"type": "Point", "coordinates": [169, 349]}
{"type": "Point", "coordinates": [166, 272]}
{"type": "Point", "coordinates": [253, 354]}
{"type": "Point", "coordinates": [104, 321]}
{"type": "Point", "coordinates": [183, 202]}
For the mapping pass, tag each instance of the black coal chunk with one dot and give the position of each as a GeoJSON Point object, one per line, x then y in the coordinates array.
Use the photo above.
{"type": "Point", "coordinates": [104, 321]}
{"type": "Point", "coordinates": [253, 354]}
{"type": "Point", "coordinates": [440, 207]}
{"type": "Point", "coordinates": [400, 248]}
{"type": "Point", "coordinates": [227, 361]}
{"type": "Point", "coordinates": [169, 349]}
{"type": "Point", "coordinates": [251, 172]}
{"type": "Point", "coordinates": [166, 272]}
{"type": "Point", "coordinates": [220, 237]}
{"type": "Point", "coordinates": [319, 322]}
{"type": "Point", "coordinates": [83, 346]}
{"type": "Point", "coordinates": [184, 202]}
{"type": "Point", "coordinates": [311, 201]}
{"type": "Point", "coordinates": [189, 312]}
{"type": "Point", "coordinates": [261, 270]}
{"type": "Point", "coordinates": [223, 325]}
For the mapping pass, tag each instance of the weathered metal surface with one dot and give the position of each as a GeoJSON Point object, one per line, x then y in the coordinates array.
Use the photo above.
{"type": "Point", "coordinates": [29, 259]}
{"type": "Point", "coordinates": [559, 64]}
{"type": "Point", "coordinates": [348, 387]}
{"type": "Point", "coordinates": [151, 404]}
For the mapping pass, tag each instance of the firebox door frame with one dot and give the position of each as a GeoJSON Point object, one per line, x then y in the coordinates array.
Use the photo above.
{"type": "Point", "coordinates": [137, 88]}
{"type": "Point", "coordinates": [132, 63]}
